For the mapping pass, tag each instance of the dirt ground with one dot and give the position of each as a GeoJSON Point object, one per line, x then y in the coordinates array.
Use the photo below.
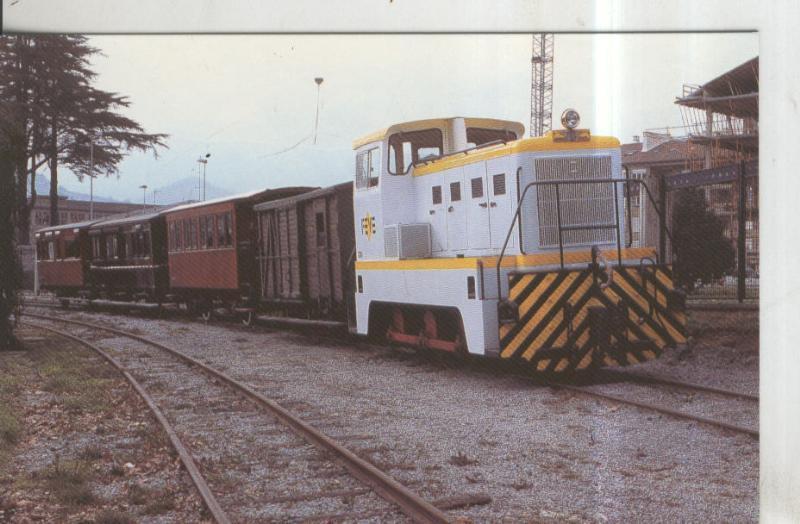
{"type": "Point", "coordinates": [724, 351]}
{"type": "Point", "coordinates": [77, 444]}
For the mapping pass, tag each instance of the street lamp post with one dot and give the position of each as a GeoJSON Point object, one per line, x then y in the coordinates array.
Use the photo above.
{"type": "Point", "coordinates": [143, 187]}
{"type": "Point", "coordinates": [204, 161]}
{"type": "Point", "coordinates": [318, 81]}
{"type": "Point", "coordinates": [91, 179]}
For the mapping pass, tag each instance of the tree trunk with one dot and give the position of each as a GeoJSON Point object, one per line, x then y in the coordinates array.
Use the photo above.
{"type": "Point", "coordinates": [9, 269]}
{"type": "Point", "coordinates": [54, 176]}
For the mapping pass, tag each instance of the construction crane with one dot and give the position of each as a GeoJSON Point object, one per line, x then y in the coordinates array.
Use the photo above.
{"type": "Point", "coordinates": [541, 84]}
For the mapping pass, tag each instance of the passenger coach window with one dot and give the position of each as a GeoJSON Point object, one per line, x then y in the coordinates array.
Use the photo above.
{"type": "Point", "coordinates": [406, 149]}
{"type": "Point", "coordinates": [368, 168]}
{"type": "Point", "coordinates": [224, 230]}
{"type": "Point", "coordinates": [73, 249]}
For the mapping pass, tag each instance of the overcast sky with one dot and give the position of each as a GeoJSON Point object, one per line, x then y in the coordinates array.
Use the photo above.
{"type": "Point", "coordinates": [245, 99]}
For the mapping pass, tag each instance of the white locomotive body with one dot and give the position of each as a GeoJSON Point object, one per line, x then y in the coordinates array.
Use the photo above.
{"type": "Point", "coordinates": [448, 257]}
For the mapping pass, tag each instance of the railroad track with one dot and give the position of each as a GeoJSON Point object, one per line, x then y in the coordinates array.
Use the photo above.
{"type": "Point", "coordinates": [654, 382]}
{"type": "Point", "coordinates": [252, 467]}
{"type": "Point", "coordinates": [647, 380]}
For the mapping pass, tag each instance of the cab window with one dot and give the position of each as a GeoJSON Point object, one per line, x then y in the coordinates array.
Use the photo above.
{"type": "Point", "coordinates": [477, 136]}
{"type": "Point", "coordinates": [408, 148]}
{"type": "Point", "coordinates": [368, 168]}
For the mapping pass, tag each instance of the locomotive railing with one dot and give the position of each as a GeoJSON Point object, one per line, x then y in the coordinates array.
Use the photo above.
{"type": "Point", "coordinates": [578, 227]}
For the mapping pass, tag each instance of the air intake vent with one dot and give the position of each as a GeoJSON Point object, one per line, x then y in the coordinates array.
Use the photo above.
{"type": "Point", "coordinates": [407, 241]}
{"type": "Point", "coordinates": [581, 204]}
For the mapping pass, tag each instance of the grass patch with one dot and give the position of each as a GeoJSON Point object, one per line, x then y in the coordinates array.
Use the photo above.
{"type": "Point", "coordinates": [10, 429]}
{"type": "Point", "coordinates": [67, 480]}
{"type": "Point", "coordinates": [139, 495]}
{"type": "Point", "coordinates": [112, 516]}
{"type": "Point", "coordinates": [461, 459]}
{"type": "Point", "coordinates": [159, 506]}
{"type": "Point", "coordinates": [92, 452]}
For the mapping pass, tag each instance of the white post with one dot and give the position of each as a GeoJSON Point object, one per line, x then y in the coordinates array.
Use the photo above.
{"type": "Point", "coordinates": [35, 268]}
{"type": "Point", "coordinates": [91, 180]}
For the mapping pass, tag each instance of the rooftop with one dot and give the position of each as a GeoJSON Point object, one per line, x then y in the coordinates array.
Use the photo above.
{"type": "Point", "coordinates": [671, 151]}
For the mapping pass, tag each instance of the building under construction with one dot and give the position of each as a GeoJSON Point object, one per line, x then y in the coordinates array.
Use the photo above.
{"type": "Point", "coordinates": [716, 151]}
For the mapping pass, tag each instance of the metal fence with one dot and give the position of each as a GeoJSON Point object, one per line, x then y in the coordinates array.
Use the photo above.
{"type": "Point", "coordinates": [713, 219]}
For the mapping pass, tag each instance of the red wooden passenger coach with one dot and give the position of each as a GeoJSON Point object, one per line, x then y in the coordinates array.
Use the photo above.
{"type": "Point", "coordinates": [62, 254]}
{"type": "Point", "coordinates": [211, 248]}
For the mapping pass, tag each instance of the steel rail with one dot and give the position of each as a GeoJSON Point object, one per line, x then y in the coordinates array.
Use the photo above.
{"type": "Point", "coordinates": [647, 378]}
{"type": "Point", "coordinates": [410, 503]}
{"type": "Point", "coordinates": [188, 462]}
{"type": "Point", "coordinates": [654, 407]}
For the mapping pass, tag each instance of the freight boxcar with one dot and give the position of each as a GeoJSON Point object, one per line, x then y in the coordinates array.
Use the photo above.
{"type": "Point", "coordinates": [62, 257]}
{"type": "Point", "coordinates": [128, 258]}
{"type": "Point", "coordinates": [211, 250]}
{"type": "Point", "coordinates": [305, 253]}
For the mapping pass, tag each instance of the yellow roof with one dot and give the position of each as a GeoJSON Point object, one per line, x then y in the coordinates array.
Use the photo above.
{"type": "Point", "coordinates": [543, 143]}
{"type": "Point", "coordinates": [415, 125]}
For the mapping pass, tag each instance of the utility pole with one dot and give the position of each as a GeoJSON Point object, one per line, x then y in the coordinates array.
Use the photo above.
{"type": "Point", "coordinates": [203, 161]}
{"type": "Point", "coordinates": [318, 81]}
{"type": "Point", "coordinates": [541, 84]}
{"type": "Point", "coordinates": [91, 178]}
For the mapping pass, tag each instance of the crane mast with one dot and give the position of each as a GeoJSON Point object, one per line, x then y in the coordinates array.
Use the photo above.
{"type": "Point", "coordinates": [541, 84]}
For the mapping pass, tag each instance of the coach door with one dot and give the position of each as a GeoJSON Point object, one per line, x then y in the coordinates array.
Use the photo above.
{"type": "Point", "coordinates": [476, 201]}
{"type": "Point", "coordinates": [456, 212]}
{"type": "Point", "coordinates": [501, 185]}
{"type": "Point", "coordinates": [433, 209]}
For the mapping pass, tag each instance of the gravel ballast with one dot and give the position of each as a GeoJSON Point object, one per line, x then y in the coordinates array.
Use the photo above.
{"type": "Point", "coordinates": [445, 429]}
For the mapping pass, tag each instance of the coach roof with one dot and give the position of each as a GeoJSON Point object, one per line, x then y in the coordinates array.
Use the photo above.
{"type": "Point", "coordinates": [316, 193]}
{"type": "Point", "coordinates": [252, 195]}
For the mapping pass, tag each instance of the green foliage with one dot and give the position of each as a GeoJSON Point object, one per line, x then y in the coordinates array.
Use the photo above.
{"type": "Point", "coordinates": [9, 425]}
{"type": "Point", "coordinates": [702, 251]}
{"type": "Point", "coordinates": [68, 480]}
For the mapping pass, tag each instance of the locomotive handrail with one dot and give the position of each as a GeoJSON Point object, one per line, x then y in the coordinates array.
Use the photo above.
{"type": "Point", "coordinates": [558, 184]}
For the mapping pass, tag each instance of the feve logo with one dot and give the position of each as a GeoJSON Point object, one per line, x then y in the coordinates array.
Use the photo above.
{"type": "Point", "coordinates": [368, 226]}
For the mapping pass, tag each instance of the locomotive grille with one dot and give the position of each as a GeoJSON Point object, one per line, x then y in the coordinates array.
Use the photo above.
{"type": "Point", "coordinates": [581, 204]}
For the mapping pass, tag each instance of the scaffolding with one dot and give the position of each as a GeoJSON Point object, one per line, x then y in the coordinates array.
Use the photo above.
{"type": "Point", "coordinates": [541, 84]}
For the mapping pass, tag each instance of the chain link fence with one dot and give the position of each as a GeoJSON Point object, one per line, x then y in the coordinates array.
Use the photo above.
{"type": "Point", "coordinates": [712, 216]}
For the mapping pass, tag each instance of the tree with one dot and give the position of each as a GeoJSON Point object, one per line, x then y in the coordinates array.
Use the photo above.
{"type": "Point", "coordinates": [702, 251]}
{"type": "Point", "coordinates": [66, 120]}
{"type": "Point", "coordinates": [11, 134]}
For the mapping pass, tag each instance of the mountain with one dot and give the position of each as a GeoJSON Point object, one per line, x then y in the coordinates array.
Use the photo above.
{"type": "Point", "coordinates": [186, 189]}
{"type": "Point", "coordinates": [43, 189]}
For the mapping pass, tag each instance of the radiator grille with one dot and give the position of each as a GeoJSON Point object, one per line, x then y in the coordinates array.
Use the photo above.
{"type": "Point", "coordinates": [581, 204]}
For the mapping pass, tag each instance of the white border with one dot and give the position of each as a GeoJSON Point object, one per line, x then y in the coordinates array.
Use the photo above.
{"type": "Point", "coordinates": [780, 129]}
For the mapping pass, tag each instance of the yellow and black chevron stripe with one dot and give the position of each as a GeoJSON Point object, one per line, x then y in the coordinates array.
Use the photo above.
{"type": "Point", "coordinates": [554, 328]}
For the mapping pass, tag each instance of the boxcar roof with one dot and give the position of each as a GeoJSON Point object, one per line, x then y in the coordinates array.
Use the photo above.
{"type": "Point", "coordinates": [272, 204]}
{"type": "Point", "coordinates": [252, 195]}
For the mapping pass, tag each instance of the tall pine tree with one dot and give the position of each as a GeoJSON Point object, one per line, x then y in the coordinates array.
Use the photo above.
{"type": "Point", "coordinates": [65, 117]}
